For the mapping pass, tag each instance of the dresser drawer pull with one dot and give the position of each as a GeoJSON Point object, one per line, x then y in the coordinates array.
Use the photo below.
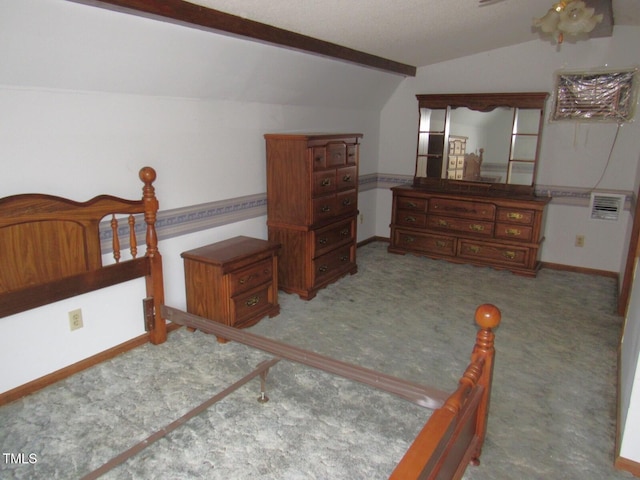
{"type": "Point", "coordinates": [476, 228]}
{"type": "Point", "coordinates": [346, 178]}
{"type": "Point", "coordinates": [410, 219]}
{"type": "Point", "coordinates": [325, 182]}
{"type": "Point", "coordinates": [344, 258]}
{"type": "Point", "coordinates": [515, 216]}
{"type": "Point", "coordinates": [325, 208]}
{"type": "Point", "coordinates": [253, 301]}
{"type": "Point", "coordinates": [440, 244]}
{"type": "Point", "coordinates": [346, 202]}
{"type": "Point", "coordinates": [443, 223]}
{"type": "Point", "coordinates": [509, 255]}
{"type": "Point", "coordinates": [513, 232]}
{"type": "Point", "coordinates": [474, 249]}
{"type": "Point", "coordinates": [344, 232]}
{"type": "Point", "coordinates": [323, 268]}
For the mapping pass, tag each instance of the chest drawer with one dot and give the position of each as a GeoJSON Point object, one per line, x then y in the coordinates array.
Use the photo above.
{"type": "Point", "coordinates": [250, 277]}
{"type": "Point", "coordinates": [462, 208]}
{"type": "Point", "coordinates": [461, 225]}
{"type": "Point", "coordinates": [500, 254]}
{"type": "Point", "coordinates": [514, 232]}
{"type": "Point", "coordinates": [336, 154]}
{"type": "Point", "coordinates": [346, 177]}
{"type": "Point", "coordinates": [411, 203]}
{"type": "Point", "coordinates": [347, 202]}
{"type": "Point", "coordinates": [515, 215]}
{"type": "Point", "coordinates": [328, 238]}
{"type": "Point", "coordinates": [324, 182]}
{"type": "Point", "coordinates": [332, 263]}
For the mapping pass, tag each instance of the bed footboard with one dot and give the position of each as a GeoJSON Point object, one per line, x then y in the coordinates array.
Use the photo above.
{"type": "Point", "coordinates": [454, 434]}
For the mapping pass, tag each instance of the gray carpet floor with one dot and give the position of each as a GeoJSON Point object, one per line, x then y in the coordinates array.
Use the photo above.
{"type": "Point", "coordinates": [552, 413]}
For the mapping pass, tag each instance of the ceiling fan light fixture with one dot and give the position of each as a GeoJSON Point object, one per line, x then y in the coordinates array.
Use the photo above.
{"type": "Point", "coordinates": [571, 17]}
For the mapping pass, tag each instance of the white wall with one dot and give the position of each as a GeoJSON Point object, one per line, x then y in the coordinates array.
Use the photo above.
{"type": "Point", "coordinates": [571, 155]}
{"type": "Point", "coordinates": [88, 96]}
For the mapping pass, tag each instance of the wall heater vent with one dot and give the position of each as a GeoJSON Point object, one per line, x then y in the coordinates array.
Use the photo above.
{"type": "Point", "coordinates": [606, 206]}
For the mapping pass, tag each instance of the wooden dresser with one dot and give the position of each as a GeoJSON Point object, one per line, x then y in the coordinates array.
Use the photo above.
{"type": "Point", "coordinates": [503, 231]}
{"type": "Point", "coordinates": [312, 207]}
{"type": "Point", "coordinates": [233, 282]}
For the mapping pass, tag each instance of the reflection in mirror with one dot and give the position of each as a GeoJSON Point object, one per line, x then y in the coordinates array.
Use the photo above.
{"type": "Point", "coordinates": [490, 138]}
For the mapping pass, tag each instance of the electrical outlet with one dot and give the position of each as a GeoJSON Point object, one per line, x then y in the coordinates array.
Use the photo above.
{"type": "Point", "coordinates": [361, 218]}
{"type": "Point", "coordinates": [75, 319]}
{"type": "Point", "coordinates": [579, 240]}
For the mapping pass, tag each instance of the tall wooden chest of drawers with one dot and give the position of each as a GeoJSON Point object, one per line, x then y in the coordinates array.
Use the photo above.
{"type": "Point", "coordinates": [504, 232]}
{"type": "Point", "coordinates": [312, 207]}
{"type": "Point", "coordinates": [233, 282]}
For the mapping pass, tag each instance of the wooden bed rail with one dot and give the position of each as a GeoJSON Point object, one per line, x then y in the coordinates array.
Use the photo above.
{"type": "Point", "coordinates": [454, 434]}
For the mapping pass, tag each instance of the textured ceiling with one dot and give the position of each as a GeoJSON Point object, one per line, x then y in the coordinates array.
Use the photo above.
{"type": "Point", "coordinates": [415, 32]}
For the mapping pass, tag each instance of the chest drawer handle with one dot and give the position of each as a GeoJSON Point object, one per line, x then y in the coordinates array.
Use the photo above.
{"type": "Point", "coordinates": [323, 268]}
{"type": "Point", "coordinates": [346, 202]}
{"type": "Point", "coordinates": [344, 258]}
{"type": "Point", "coordinates": [509, 255]}
{"type": "Point", "coordinates": [253, 301]}
{"type": "Point", "coordinates": [346, 178]}
{"type": "Point", "coordinates": [410, 219]}
{"type": "Point", "coordinates": [323, 241]}
{"type": "Point", "coordinates": [513, 232]}
{"type": "Point", "coordinates": [325, 208]}
{"type": "Point", "coordinates": [443, 223]}
{"type": "Point", "coordinates": [344, 232]}
{"type": "Point", "coordinates": [325, 182]}
{"type": "Point", "coordinates": [476, 228]}
{"type": "Point", "coordinates": [474, 249]}
{"type": "Point", "coordinates": [515, 216]}
{"type": "Point", "coordinates": [319, 158]}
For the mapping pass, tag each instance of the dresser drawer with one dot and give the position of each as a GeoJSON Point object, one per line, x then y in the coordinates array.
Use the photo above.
{"type": "Point", "coordinates": [412, 203]}
{"type": "Point", "coordinates": [328, 238]}
{"type": "Point", "coordinates": [332, 264]}
{"type": "Point", "coordinates": [346, 178]}
{"type": "Point", "coordinates": [424, 242]}
{"type": "Point", "coordinates": [515, 215]}
{"type": "Point", "coordinates": [324, 182]}
{"type": "Point", "coordinates": [250, 277]}
{"type": "Point", "coordinates": [493, 253]}
{"type": "Point", "coordinates": [352, 154]}
{"type": "Point", "coordinates": [249, 307]}
{"type": "Point", "coordinates": [410, 218]}
{"type": "Point", "coordinates": [462, 208]}
{"type": "Point", "coordinates": [319, 155]}
{"type": "Point", "coordinates": [461, 225]}
{"type": "Point", "coordinates": [514, 232]}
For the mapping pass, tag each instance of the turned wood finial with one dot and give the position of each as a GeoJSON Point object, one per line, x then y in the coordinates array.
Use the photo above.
{"type": "Point", "coordinates": [488, 316]}
{"type": "Point", "coordinates": [147, 175]}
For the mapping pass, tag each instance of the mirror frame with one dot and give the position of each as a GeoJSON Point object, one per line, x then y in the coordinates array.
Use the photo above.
{"type": "Point", "coordinates": [483, 102]}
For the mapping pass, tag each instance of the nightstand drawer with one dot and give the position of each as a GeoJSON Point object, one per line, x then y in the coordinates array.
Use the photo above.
{"type": "Point", "coordinates": [250, 277]}
{"type": "Point", "coordinates": [249, 307]}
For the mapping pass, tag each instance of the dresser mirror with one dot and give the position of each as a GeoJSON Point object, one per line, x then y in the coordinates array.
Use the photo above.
{"type": "Point", "coordinates": [479, 141]}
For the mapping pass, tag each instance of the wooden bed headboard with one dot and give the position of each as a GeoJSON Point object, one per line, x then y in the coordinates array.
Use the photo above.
{"type": "Point", "coordinates": [50, 250]}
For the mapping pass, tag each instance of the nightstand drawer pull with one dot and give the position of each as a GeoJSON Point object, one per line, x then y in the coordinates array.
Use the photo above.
{"type": "Point", "coordinates": [242, 281]}
{"type": "Point", "coordinates": [252, 301]}
{"type": "Point", "coordinates": [515, 216]}
{"type": "Point", "coordinates": [513, 232]}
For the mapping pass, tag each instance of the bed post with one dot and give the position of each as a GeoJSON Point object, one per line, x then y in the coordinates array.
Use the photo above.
{"type": "Point", "coordinates": [487, 317]}
{"type": "Point", "coordinates": [155, 282]}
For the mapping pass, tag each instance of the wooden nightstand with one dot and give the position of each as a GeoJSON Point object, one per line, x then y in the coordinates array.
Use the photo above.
{"type": "Point", "coordinates": [234, 282]}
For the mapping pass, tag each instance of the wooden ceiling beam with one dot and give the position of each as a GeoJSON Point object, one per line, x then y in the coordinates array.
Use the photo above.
{"type": "Point", "coordinates": [189, 14]}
